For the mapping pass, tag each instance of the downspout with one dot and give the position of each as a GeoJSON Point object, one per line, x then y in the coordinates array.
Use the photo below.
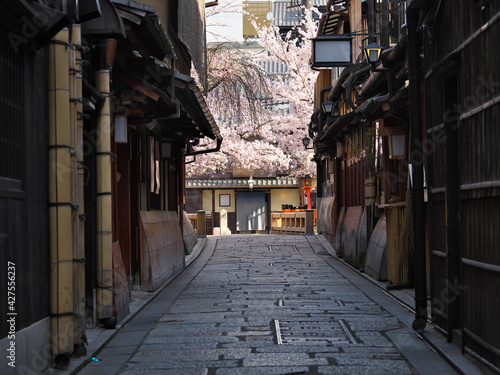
{"type": "Point", "coordinates": [207, 151]}
{"type": "Point", "coordinates": [182, 192]}
{"type": "Point", "coordinates": [416, 158]}
{"type": "Point", "coordinates": [73, 177]}
{"type": "Point", "coordinates": [79, 250]}
{"type": "Point", "coordinates": [103, 199]}
{"type": "Point", "coordinates": [61, 206]}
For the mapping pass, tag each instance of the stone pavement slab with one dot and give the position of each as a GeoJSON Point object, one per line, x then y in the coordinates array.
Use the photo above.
{"type": "Point", "coordinates": [266, 304]}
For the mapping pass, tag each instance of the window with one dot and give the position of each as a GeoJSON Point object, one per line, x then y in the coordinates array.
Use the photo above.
{"type": "Point", "coordinates": [224, 200]}
{"type": "Point", "coordinates": [154, 174]}
{"type": "Point", "coordinates": [193, 200]}
{"type": "Point", "coordinates": [11, 119]}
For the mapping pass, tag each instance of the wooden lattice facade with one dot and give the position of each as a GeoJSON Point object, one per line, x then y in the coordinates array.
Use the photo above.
{"type": "Point", "coordinates": [462, 85]}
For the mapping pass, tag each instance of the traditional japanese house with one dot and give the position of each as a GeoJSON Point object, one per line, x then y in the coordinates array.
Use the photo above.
{"type": "Point", "coordinates": [436, 90]}
{"type": "Point", "coordinates": [248, 197]}
{"type": "Point", "coordinates": [99, 110]}
{"type": "Point", "coordinates": [157, 114]}
{"type": "Point", "coordinates": [364, 181]}
{"type": "Point", "coordinates": [463, 170]}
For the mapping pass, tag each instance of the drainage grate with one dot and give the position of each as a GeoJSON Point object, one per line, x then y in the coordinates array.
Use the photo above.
{"type": "Point", "coordinates": [283, 248]}
{"type": "Point", "coordinates": [313, 332]}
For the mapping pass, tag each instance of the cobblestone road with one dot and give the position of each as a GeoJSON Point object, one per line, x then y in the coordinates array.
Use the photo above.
{"type": "Point", "coordinates": [274, 305]}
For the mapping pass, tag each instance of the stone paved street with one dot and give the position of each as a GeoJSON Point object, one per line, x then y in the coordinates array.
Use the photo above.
{"type": "Point", "coordinates": [269, 305]}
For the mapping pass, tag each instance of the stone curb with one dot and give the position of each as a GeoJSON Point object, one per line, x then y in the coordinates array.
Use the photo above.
{"type": "Point", "coordinates": [431, 336]}
{"type": "Point", "coordinates": [99, 337]}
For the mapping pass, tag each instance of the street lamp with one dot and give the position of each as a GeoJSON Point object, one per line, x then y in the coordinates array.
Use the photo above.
{"type": "Point", "coordinates": [306, 142]}
{"type": "Point", "coordinates": [397, 149]}
{"type": "Point", "coordinates": [373, 51]}
{"type": "Point", "coordinates": [250, 182]}
{"type": "Point", "coordinates": [331, 50]}
{"type": "Point", "coordinates": [327, 107]}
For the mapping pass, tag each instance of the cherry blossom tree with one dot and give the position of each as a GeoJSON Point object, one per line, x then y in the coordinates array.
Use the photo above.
{"type": "Point", "coordinates": [262, 118]}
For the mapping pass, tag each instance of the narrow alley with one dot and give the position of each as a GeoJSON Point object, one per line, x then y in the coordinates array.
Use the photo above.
{"type": "Point", "coordinates": [263, 304]}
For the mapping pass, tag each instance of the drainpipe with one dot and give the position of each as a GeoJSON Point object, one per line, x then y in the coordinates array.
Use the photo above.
{"type": "Point", "coordinates": [79, 178]}
{"type": "Point", "coordinates": [61, 205]}
{"type": "Point", "coordinates": [207, 151]}
{"type": "Point", "coordinates": [73, 177]}
{"type": "Point", "coordinates": [103, 199]}
{"type": "Point", "coordinates": [416, 158]}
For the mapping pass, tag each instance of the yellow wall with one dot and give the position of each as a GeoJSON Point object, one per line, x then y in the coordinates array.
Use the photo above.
{"type": "Point", "coordinates": [284, 196]}
{"type": "Point", "coordinates": [278, 197]}
{"type": "Point", "coordinates": [207, 200]}
{"type": "Point", "coordinates": [232, 196]}
{"type": "Point", "coordinates": [257, 10]}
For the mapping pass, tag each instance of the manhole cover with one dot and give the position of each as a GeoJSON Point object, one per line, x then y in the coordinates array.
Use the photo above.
{"type": "Point", "coordinates": [313, 332]}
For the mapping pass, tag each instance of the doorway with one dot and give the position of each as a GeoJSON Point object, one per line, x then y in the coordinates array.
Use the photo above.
{"type": "Point", "coordinates": [251, 211]}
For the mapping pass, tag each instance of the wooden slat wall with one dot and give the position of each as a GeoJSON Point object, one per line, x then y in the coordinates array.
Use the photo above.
{"type": "Point", "coordinates": [437, 247]}
{"type": "Point", "coordinates": [352, 167]}
{"type": "Point", "coordinates": [24, 222]}
{"type": "Point", "coordinates": [436, 205]}
{"type": "Point", "coordinates": [480, 163]}
{"type": "Point", "coordinates": [480, 291]}
{"type": "Point", "coordinates": [479, 172]}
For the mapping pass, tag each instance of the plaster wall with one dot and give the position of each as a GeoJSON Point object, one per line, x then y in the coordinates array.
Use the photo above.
{"type": "Point", "coordinates": [284, 196]}
{"type": "Point", "coordinates": [207, 200]}
{"type": "Point", "coordinates": [232, 200]}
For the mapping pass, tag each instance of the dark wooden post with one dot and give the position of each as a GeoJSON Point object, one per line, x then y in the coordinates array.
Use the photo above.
{"type": "Point", "coordinates": [309, 221]}
{"type": "Point", "coordinates": [416, 158]}
{"type": "Point", "coordinates": [201, 223]}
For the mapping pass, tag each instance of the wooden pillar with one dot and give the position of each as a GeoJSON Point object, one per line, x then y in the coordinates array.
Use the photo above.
{"type": "Point", "coordinates": [201, 223]}
{"type": "Point", "coordinates": [355, 20]}
{"type": "Point", "coordinates": [309, 221]}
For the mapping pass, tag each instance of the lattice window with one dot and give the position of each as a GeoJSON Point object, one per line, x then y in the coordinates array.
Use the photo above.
{"type": "Point", "coordinates": [11, 116]}
{"type": "Point", "coordinates": [193, 200]}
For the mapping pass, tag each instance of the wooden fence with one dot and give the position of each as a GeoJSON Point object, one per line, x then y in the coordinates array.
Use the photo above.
{"type": "Point", "coordinates": [281, 222]}
{"type": "Point", "coordinates": [292, 222]}
{"type": "Point", "coordinates": [201, 222]}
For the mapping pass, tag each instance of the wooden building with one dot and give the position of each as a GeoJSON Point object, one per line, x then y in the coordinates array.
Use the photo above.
{"type": "Point", "coordinates": [248, 202]}
{"type": "Point", "coordinates": [463, 164]}
{"type": "Point", "coordinates": [437, 89]}
{"type": "Point", "coordinates": [24, 229]}
{"type": "Point", "coordinates": [364, 181]}
{"type": "Point", "coordinates": [98, 113]}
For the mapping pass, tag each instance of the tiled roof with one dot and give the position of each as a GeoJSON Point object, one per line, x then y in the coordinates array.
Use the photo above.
{"type": "Point", "coordinates": [286, 15]}
{"type": "Point", "coordinates": [273, 67]}
{"type": "Point", "coordinates": [283, 15]}
{"type": "Point", "coordinates": [296, 3]}
{"type": "Point", "coordinates": [242, 182]}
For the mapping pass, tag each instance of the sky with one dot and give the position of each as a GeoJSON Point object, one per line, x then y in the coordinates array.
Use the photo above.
{"type": "Point", "coordinates": [233, 29]}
